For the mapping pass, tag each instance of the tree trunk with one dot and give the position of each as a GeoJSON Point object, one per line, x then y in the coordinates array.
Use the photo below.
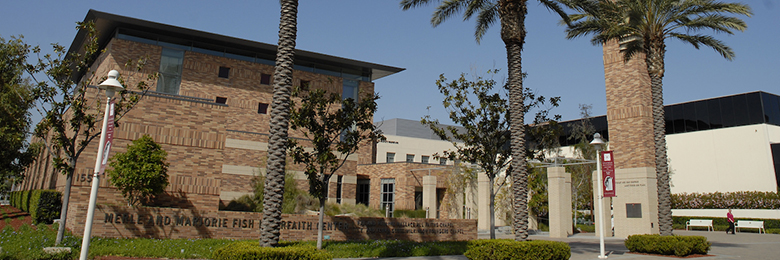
{"type": "Point", "coordinates": [320, 223]}
{"type": "Point", "coordinates": [64, 210]}
{"type": "Point", "coordinates": [655, 68]}
{"type": "Point", "coordinates": [512, 14]}
{"type": "Point", "coordinates": [280, 117]}
{"type": "Point", "coordinates": [492, 209]}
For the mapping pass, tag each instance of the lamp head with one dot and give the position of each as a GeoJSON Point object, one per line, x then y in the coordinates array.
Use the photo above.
{"type": "Point", "coordinates": [111, 85]}
{"type": "Point", "coordinates": [597, 141]}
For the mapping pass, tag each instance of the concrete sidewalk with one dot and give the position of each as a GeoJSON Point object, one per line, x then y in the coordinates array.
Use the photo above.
{"type": "Point", "coordinates": [586, 247]}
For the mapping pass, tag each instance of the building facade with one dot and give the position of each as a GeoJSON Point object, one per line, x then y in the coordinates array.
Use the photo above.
{"type": "Point", "coordinates": [209, 109]}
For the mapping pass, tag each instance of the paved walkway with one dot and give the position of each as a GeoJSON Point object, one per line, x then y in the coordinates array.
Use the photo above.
{"type": "Point", "coordinates": [586, 247]}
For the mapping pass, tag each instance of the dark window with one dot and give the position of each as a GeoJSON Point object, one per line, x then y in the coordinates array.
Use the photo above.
{"type": "Point", "coordinates": [669, 123]}
{"type": "Point", "coordinates": [390, 157]}
{"type": "Point", "coordinates": [363, 190]}
{"type": "Point", "coordinates": [776, 159]}
{"type": "Point", "coordinates": [741, 112]}
{"type": "Point", "coordinates": [678, 118]}
{"type": "Point", "coordinates": [265, 79]}
{"type": "Point", "coordinates": [169, 79]}
{"type": "Point", "coordinates": [410, 158]}
{"type": "Point", "coordinates": [715, 116]}
{"type": "Point", "coordinates": [424, 159]}
{"type": "Point", "coordinates": [702, 115]}
{"type": "Point", "coordinates": [221, 100]}
{"type": "Point", "coordinates": [689, 113]}
{"type": "Point", "coordinates": [442, 161]}
{"type": "Point", "coordinates": [755, 111]}
{"type": "Point", "coordinates": [224, 72]}
{"type": "Point", "coordinates": [262, 108]}
{"type": "Point", "coordinates": [339, 180]}
{"type": "Point", "coordinates": [418, 195]}
{"type": "Point", "coordinates": [771, 108]}
{"type": "Point", "coordinates": [387, 194]}
{"type": "Point", "coordinates": [727, 112]}
{"type": "Point", "coordinates": [634, 210]}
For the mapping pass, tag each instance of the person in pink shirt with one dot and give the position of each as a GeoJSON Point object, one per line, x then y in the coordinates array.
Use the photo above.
{"type": "Point", "coordinates": [730, 218]}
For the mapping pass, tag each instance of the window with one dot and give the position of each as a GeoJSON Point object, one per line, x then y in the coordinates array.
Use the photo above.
{"type": "Point", "coordinates": [424, 159]}
{"type": "Point", "coordinates": [339, 178]}
{"type": "Point", "coordinates": [363, 190]}
{"type": "Point", "coordinates": [390, 157]}
{"type": "Point", "coordinates": [224, 72]}
{"type": "Point", "coordinates": [265, 79]}
{"type": "Point", "coordinates": [410, 158]}
{"type": "Point", "coordinates": [387, 193]}
{"type": "Point", "coordinates": [221, 100]}
{"type": "Point", "coordinates": [350, 89]}
{"type": "Point", "coordinates": [305, 84]}
{"type": "Point", "coordinates": [262, 108]}
{"type": "Point", "coordinates": [171, 61]}
{"type": "Point", "coordinates": [442, 161]}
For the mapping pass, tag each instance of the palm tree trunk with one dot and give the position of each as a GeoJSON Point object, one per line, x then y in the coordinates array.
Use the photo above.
{"type": "Point", "coordinates": [655, 68]}
{"type": "Point", "coordinates": [280, 117]}
{"type": "Point", "coordinates": [512, 14]}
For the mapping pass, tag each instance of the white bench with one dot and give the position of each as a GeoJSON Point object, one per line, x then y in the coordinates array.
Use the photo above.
{"type": "Point", "coordinates": [751, 224]}
{"type": "Point", "coordinates": [700, 223]}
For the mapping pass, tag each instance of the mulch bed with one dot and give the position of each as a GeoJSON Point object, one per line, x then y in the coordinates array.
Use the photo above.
{"type": "Point", "coordinates": [10, 216]}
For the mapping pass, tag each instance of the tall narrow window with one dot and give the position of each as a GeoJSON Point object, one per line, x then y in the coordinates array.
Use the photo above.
{"type": "Point", "coordinates": [390, 157]}
{"type": "Point", "coordinates": [388, 191]}
{"type": "Point", "coordinates": [350, 89]}
{"type": "Point", "coordinates": [171, 61]}
{"type": "Point", "coordinates": [339, 178]}
{"type": "Point", "coordinates": [363, 190]}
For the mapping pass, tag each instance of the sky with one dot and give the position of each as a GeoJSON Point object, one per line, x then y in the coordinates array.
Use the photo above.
{"type": "Point", "coordinates": [378, 31]}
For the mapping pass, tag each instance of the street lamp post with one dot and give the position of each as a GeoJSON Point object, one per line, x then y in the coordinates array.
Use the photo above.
{"type": "Point", "coordinates": [111, 86]}
{"type": "Point", "coordinates": [598, 143]}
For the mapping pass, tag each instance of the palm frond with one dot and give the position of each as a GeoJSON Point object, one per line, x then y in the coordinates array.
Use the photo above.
{"type": "Point", "coordinates": [706, 40]}
{"type": "Point", "coordinates": [487, 17]}
{"type": "Point", "coordinates": [447, 9]}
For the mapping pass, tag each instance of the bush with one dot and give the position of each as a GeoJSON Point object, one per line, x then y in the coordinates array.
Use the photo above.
{"type": "Point", "coordinates": [250, 250]}
{"type": "Point", "coordinates": [45, 206]}
{"type": "Point", "coordinates": [668, 245]}
{"type": "Point", "coordinates": [720, 224]}
{"type": "Point", "coordinates": [410, 213]}
{"type": "Point", "coordinates": [733, 200]}
{"type": "Point", "coordinates": [496, 249]}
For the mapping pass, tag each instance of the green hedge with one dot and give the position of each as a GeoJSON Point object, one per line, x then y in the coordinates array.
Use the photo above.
{"type": "Point", "coordinates": [720, 224]}
{"type": "Point", "coordinates": [410, 213]}
{"type": "Point", "coordinates": [668, 245]}
{"type": "Point", "coordinates": [727, 200]}
{"type": "Point", "coordinates": [250, 250]}
{"type": "Point", "coordinates": [497, 249]}
{"type": "Point", "coordinates": [43, 205]}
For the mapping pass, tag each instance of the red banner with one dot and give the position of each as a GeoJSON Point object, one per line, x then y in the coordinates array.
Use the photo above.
{"type": "Point", "coordinates": [608, 173]}
{"type": "Point", "coordinates": [109, 135]}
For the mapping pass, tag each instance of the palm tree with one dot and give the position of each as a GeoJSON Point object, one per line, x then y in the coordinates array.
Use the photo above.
{"type": "Point", "coordinates": [642, 27]}
{"type": "Point", "coordinates": [511, 14]}
{"type": "Point", "coordinates": [280, 120]}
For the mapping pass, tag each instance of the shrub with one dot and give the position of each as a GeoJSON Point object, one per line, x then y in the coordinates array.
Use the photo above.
{"type": "Point", "coordinates": [668, 245]}
{"type": "Point", "coordinates": [410, 213]}
{"type": "Point", "coordinates": [45, 206]}
{"type": "Point", "coordinates": [497, 249]}
{"type": "Point", "coordinates": [734, 200]}
{"type": "Point", "coordinates": [250, 250]}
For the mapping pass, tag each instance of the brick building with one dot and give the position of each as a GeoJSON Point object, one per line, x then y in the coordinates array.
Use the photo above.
{"type": "Point", "coordinates": [208, 109]}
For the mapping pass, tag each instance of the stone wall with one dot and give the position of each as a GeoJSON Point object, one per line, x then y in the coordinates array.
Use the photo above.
{"type": "Point", "coordinates": [121, 221]}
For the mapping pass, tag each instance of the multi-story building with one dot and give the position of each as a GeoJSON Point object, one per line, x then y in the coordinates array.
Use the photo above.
{"type": "Point", "coordinates": [209, 109]}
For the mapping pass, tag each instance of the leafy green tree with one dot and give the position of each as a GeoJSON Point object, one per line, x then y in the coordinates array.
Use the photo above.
{"type": "Point", "coordinates": [280, 121]}
{"type": "Point", "coordinates": [642, 27]}
{"type": "Point", "coordinates": [16, 99]}
{"type": "Point", "coordinates": [485, 123]}
{"type": "Point", "coordinates": [581, 183]}
{"type": "Point", "coordinates": [70, 115]}
{"type": "Point", "coordinates": [511, 15]}
{"type": "Point", "coordinates": [141, 172]}
{"type": "Point", "coordinates": [333, 128]}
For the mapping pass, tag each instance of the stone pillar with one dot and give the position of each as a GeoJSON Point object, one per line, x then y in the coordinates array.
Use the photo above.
{"type": "Point", "coordinates": [348, 189]}
{"type": "Point", "coordinates": [607, 229]}
{"type": "Point", "coordinates": [636, 205]}
{"type": "Point", "coordinates": [332, 188]}
{"type": "Point", "coordinates": [429, 195]}
{"type": "Point", "coordinates": [559, 198]}
{"type": "Point", "coordinates": [483, 200]}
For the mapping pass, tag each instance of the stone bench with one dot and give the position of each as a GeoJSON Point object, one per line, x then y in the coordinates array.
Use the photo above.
{"type": "Point", "coordinates": [750, 224]}
{"type": "Point", "coordinates": [700, 223]}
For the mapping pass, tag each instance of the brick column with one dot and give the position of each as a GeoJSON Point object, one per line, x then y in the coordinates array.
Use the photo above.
{"type": "Point", "coordinates": [429, 195]}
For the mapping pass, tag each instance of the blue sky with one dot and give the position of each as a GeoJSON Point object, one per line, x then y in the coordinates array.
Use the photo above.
{"type": "Point", "coordinates": [380, 32]}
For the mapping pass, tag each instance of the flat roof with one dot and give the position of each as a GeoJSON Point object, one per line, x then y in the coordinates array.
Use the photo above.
{"type": "Point", "coordinates": [107, 24]}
